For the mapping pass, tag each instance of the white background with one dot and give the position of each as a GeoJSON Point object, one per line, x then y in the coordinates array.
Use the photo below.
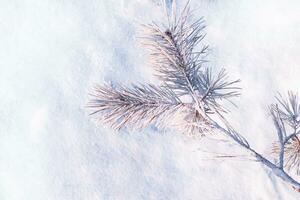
{"type": "Point", "coordinates": [53, 51]}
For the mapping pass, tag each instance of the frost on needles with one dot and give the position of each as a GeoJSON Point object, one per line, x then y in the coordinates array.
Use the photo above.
{"type": "Point", "coordinates": [179, 67]}
{"type": "Point", "coordinates": [177, 55]}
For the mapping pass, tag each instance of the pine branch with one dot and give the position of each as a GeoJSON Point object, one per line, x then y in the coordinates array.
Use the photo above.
{"type": "Point", "coordinates": [144, 105]}
{"type": "Point", "coordinates": [287, 112]}
{"type": "Point", "coordinates": [135, 107]}
{"type": "Point", "coordinates": [172, 51]}
{"type": "Point", "coordinates": [179, 65]}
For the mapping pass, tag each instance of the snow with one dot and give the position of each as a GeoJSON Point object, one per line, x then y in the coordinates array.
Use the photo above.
{"type": "Point", "coordinates": [51, 54]}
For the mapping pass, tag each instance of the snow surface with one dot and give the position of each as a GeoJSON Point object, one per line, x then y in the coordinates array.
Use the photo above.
{"type": "Point", "coordinates": [53, 51]}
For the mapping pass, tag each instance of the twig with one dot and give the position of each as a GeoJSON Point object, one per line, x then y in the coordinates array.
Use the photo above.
{"type": "Point", "coordinates": [179, 68]}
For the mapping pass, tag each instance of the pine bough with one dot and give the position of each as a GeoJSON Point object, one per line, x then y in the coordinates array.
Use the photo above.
{"type": "Point", "coordinates": [178, 62]}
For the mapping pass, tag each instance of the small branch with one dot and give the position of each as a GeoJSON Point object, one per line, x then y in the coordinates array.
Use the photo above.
{"type": "Point", "coordinates": [138, 106]}
{"type": "Point", "coordinates": [278, 171]}
{"type": "Point", "coordinates": [179, 67]}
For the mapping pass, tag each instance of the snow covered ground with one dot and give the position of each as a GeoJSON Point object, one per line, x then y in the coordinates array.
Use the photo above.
{"type": "Point", "coordinates": [53, 51]}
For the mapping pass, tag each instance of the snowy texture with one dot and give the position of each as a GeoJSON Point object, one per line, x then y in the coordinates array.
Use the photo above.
{"type": "Point", "coordinates": [51, 54]}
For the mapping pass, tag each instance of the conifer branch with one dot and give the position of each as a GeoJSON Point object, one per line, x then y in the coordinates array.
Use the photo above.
{"type": "Point", "coordinates": [135, 107]}
{"type": "Point", "coordinates": [286, 113]}
{"type": "Point", "coordinates": [179, 66]}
